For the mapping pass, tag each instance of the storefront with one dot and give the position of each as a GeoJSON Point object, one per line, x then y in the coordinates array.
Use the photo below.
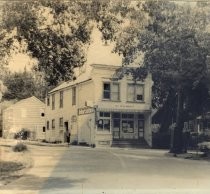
{"type": "Point", "coordinates": [122, 125]}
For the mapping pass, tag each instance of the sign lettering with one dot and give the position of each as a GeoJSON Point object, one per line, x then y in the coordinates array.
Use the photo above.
{"type": "Point", "coordinates": [85, 110]}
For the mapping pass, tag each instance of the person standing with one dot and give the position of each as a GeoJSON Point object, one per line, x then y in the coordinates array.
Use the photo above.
{"type": "Point", "coordinates": [68, 137]}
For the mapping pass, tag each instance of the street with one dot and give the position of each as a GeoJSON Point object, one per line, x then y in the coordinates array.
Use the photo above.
{"type": "Point", "coordinates": [111, 170]}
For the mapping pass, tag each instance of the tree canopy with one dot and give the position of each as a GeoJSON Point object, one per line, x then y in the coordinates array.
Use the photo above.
{"type": "Point", "coordinates": [172, 38]}
{"type": "Point", "coordinates": [174, 41]}
{"type": "Point", "coordinates": [21, 85]}
{"type": "Point", "coordinates": [57, 33]}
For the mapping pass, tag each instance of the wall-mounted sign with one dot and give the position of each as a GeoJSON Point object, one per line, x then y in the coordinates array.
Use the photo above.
{"type": "Point", "coordinates": [73, 118]}
{"type": "Point", "coordinates": [85, 110]}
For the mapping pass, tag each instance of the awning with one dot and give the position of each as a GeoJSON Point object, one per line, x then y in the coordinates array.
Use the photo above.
{"type": "Point", "coordinates": [123, 110]}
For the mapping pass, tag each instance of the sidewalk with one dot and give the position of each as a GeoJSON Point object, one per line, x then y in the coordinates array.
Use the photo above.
{"type": "Point", "coordinates": [12, 142]}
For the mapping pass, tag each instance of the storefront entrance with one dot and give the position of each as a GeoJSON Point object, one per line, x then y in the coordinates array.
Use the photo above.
{"type": "Point", "coordinates": [127, 126]}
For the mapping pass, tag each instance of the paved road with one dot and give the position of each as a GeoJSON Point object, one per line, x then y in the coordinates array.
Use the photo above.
{"type": "Point", "coordinates": [85, 170]}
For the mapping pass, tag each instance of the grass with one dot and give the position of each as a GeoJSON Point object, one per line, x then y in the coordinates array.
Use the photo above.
{"type": "Point", "coordinates": [13, 162]}
{"type": "Point", "coordinates": [7, 166]}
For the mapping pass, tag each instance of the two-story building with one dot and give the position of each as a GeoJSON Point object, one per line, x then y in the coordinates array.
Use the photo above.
{"type": "Point", "coordinates": [99, 109]}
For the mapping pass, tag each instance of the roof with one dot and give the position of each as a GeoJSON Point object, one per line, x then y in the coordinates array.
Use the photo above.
{"type": "Point", "coordinates": [83, 75]}
{"type": "Point", "coordinates": [5, 104]}
{"type": "Point", "coordinates": [33, 98]}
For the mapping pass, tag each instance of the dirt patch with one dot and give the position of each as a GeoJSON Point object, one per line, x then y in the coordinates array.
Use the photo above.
{"type": "Point", "coordinates": [13, 165]}
{"type": "Point", "coordinates": [190, 156]}
{"type": "Point", "coordinates": [197, 157]}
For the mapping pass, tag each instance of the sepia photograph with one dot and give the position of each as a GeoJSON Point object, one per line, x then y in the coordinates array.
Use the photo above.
{"type": "Point", "coordinates": [104, 97]}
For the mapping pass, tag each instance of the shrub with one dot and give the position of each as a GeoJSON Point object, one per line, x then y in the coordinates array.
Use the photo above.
{"type": "Point", "coordinates": [196, 138]}
{"type": "Point", "coordinates": [74, 142]}
{"type": "Point", "coordinates": [205, 148]}
{"type": "Point", "coordinates": [19, 147]}
{"type": "Point", "coordinates": [22, 134]}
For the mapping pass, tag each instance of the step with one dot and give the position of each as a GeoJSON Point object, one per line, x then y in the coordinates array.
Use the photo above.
{"type": "Point", "coordinates": [141, 143]}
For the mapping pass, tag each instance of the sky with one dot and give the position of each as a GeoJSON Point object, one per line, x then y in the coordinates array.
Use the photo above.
{"type": "Point", "coordinates": [97, 53]}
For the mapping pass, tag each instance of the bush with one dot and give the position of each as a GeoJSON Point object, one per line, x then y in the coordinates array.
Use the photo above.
{"type": "Point", "coordinates": [22, 134]}
{"type": "Point", "coordinates": [74, 142]}
{"type": "Point", "coordinates": [196, 138]}
{"type": "Point", "coordinates": [205, 148]}
{"type": "Point", "coordinates": [19, 147]}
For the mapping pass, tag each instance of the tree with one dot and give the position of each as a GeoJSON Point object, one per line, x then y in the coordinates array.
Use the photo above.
{"type": "Point", "coordinates": [23, 85]}
{"type": "Point", "coordinates": [173, 40]}
{"type": "Point", "coordinates": [57, 33]}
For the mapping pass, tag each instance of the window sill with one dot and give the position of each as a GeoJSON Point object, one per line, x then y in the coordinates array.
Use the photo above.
{"type": "Point", "coordinates": [110, 100]}
{"type": "Point", "coordinates": [136, 102]}
{"type": "Point", "coordinates": [103, 132]}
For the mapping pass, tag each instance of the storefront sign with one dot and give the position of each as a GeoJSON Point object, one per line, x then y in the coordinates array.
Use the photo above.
{"type": "Point", "coordinates": [85, 110]}
{"type": "Point", "coordinates": [124, 106]}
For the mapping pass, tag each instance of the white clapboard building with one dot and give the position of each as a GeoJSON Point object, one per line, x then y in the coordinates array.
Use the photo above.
{"type": "Point", "coordinates": [100, 110]}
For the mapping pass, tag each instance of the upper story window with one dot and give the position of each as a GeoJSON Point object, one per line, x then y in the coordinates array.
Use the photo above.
{"type": "Point", "coordinates": [61, 99]}
{"type": "Point", "coordinates": [74, 96]}
{"type": "Point", "coordinates": [135, 92]}
{"type": "Point", "coordinates": [53, 101]}
{"type": "Point", "coordinates": [48, 101]}
{"type": "Point", "coordinates": [111, 91]}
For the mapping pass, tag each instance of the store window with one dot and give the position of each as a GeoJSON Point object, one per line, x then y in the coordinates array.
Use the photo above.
{"type": "Point", "coordinates": [111, 91]}
{"type": "Point", "coordinates": [104, 121]}
{"type": "Point", "coordinates": [128, 123]}
{"type": "Point", "coordinates": [116, 125]}
{"type": "Point", "coordinates": [141, 125]}
{"type": "Point", "coordinates": [135, 92]}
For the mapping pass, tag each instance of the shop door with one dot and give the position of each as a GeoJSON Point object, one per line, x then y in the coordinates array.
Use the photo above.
{"type": "Point", "coordinates": [116, 125]}
{"type": "Point", "coordinates": [141, 128]}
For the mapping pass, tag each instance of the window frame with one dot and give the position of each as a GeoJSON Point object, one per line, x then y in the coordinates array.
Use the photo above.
{"type": "Point", "coordinates": [61, 123]}
{"type": "Point", "coordinates": [53, 101]}
{"type": "Point", "coordinates": [74, 95]}
{"type": "Point", "coordinates": [141, 130]}
{"type": "Point", "coordinates": [43, 129]}
{"type": "Point", "coordinates": [135, 92]}
{"type": "Point", "coordinates": [126, 120]}
{"type": "Point", "coordinates": [61, 99]}
{"type": "Point", "coordinates": [53, 123]}
{"type": "Point", "coordinates": [102, 118]}
{"type": "Point", "coordinates": [48, 125]}
{"type": "Point", "coordinates": [111, 92]}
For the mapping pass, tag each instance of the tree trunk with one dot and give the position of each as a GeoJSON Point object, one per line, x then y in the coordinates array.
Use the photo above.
{"type": "Point", "coordinates": [177, 144]}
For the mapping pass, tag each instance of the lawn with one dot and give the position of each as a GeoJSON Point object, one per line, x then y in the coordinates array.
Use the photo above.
{"type": "Point", "coordinates": [12, 164]}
